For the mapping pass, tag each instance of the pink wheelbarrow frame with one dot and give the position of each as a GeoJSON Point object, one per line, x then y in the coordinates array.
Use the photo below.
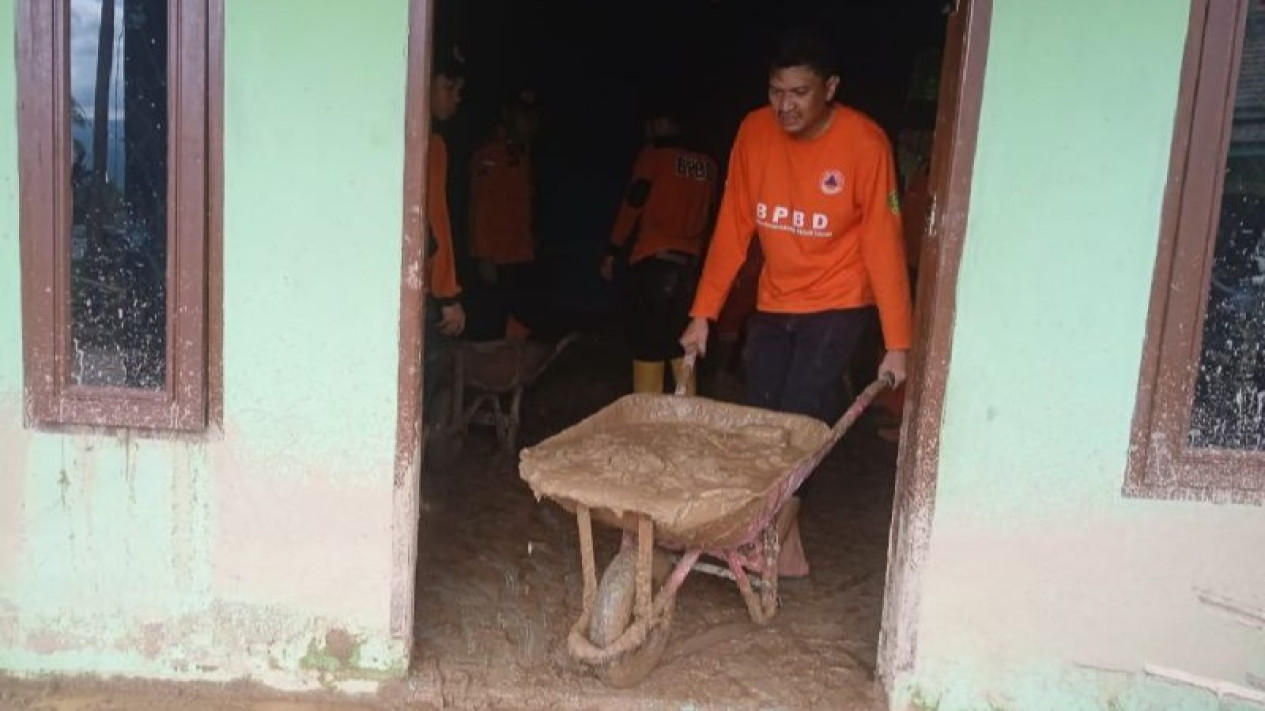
{"type": "Point", "coordinates": [631, 640]}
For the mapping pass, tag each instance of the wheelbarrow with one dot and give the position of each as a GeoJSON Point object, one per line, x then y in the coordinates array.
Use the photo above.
{"type": "Point", "coordinates": [489, 378]}
{"type": "Point", "coordinates": [683, 474]}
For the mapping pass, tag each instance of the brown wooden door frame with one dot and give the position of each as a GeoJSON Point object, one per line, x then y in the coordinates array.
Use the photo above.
{"type": "Point", "coordinates": [957, 123]}
{"type": "Point", "coordinates": [406, 501]}
{"type": "Point", "coordinates": [953, 157]}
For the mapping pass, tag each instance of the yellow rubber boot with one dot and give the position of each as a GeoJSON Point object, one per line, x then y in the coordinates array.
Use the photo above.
{"type": "Point", "coordinates": [647, 376]}
{"type": "Point", "coordinates": [692, 386]}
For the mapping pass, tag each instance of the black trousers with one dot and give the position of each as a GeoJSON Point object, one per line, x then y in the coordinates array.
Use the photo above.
{"type": "Point", "coordinates": [795, 362]}
{"type": "Point", "coordinates": [658, 304]}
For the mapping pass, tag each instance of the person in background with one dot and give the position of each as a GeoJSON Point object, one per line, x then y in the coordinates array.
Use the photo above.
{"type": "Point", "coordinates": [445, 316]}
{"type": "Point", "coordinates": [502, 238]}
{"type": "Point", "coordinates": [661, 226]}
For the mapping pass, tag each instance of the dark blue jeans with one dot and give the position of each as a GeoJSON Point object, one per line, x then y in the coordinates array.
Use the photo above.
{"type": "Point", "coordinates": [795, 362]}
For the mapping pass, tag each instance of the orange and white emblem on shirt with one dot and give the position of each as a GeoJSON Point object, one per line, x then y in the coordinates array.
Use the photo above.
{"type": "Point", "coordinates": [832, 182]}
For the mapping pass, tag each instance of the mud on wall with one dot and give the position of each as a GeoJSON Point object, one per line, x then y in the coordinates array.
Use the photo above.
{"type": "Point", "coordinates": [1044, 587]}
{"type": "Point", "coordinates": [262, 548]}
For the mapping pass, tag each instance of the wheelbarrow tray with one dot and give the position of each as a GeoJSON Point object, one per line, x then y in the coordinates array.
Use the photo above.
{"type": "Point", "coordinates": [504, 365]}
{"type": "Point", "coordinates": [708, 474]}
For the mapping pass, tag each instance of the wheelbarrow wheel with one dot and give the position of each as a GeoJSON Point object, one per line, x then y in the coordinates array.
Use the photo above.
{"type": "Point", "coordinates": [613, 613]}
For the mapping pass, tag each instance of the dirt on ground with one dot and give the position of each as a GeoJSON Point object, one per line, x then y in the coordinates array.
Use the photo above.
{"type": "Point", "coordinates": [499, 586]}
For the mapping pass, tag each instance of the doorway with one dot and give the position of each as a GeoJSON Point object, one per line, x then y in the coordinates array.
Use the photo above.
{"type": "Point", "coordinates": [496, 574]}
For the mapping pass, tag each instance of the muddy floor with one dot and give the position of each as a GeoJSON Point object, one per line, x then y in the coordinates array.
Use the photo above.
{"type": "Point", "coordinates": [500, 582]}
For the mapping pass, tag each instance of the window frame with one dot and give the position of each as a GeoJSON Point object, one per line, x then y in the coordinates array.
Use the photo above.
{"type": "Point", "coordinates": [1161, 462]}
{"type": "Point", "coordinates": [44, 155]}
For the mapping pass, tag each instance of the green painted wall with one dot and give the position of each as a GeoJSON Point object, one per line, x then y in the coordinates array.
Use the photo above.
{"type": "Point", "coordinates": [237, 552]}
{"type": "Point", "coordinates": [1044, 587]}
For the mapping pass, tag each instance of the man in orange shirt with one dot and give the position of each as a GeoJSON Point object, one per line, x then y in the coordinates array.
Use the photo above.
{"type": "Point", "coordinates": [665, 215]}
{"type": "Point", "coordinates": [502, 238]}
{"type": "Point", "coordinates": [815, 181]}
{"type": "Point", "coordinates": [445, 316]}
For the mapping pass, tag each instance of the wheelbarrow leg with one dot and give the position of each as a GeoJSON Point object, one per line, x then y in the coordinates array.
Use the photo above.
{"type": "Point", "coordinates": [761, 606]}
{"type": "Point", "coordinates": [584, 521]}
{"type": "Point", "coordinates": [448, 430]}
{"type": "Point", "coordinates": [645, 566]}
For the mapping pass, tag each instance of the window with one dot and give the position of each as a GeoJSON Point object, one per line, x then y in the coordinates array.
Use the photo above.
{"type": "Point", "coordinates": [1199, 429]}
{"type": "Point", "coordinates": [115, 172]}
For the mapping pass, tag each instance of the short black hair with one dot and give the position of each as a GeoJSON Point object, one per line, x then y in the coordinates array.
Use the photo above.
{"type": "Point", "coordinates": [804, 47]}
{"type": "Point", "coordinates": [448, 62]}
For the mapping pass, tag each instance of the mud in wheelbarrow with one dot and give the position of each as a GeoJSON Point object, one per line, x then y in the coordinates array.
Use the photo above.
{"type": "Point", "coordinates": [683, 474]}
{"type": "Point", "coordinates": [488, 382]}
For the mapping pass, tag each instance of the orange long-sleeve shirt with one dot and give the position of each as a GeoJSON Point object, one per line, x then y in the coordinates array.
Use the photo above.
{"type": "Point", "coordinates": [827, 215]}
{"type": "Point", "coordinates": [441, 265]}
{"type": "Point", "coordinates": [677, 210]}
{"type": "Point", "coordinates": [501, 203]}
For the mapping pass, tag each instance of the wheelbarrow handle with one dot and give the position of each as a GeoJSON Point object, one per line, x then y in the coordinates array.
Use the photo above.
{"type": "Point", "coordinates": [885, 381]}
{"type": "Point", "coordinates": [687, 372]}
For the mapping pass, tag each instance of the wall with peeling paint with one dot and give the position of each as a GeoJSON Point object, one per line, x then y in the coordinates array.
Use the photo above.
{"type": "Point", "coordinates": [264, 547]}
{"type": "Point", "coordinates": [1045, 588]}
